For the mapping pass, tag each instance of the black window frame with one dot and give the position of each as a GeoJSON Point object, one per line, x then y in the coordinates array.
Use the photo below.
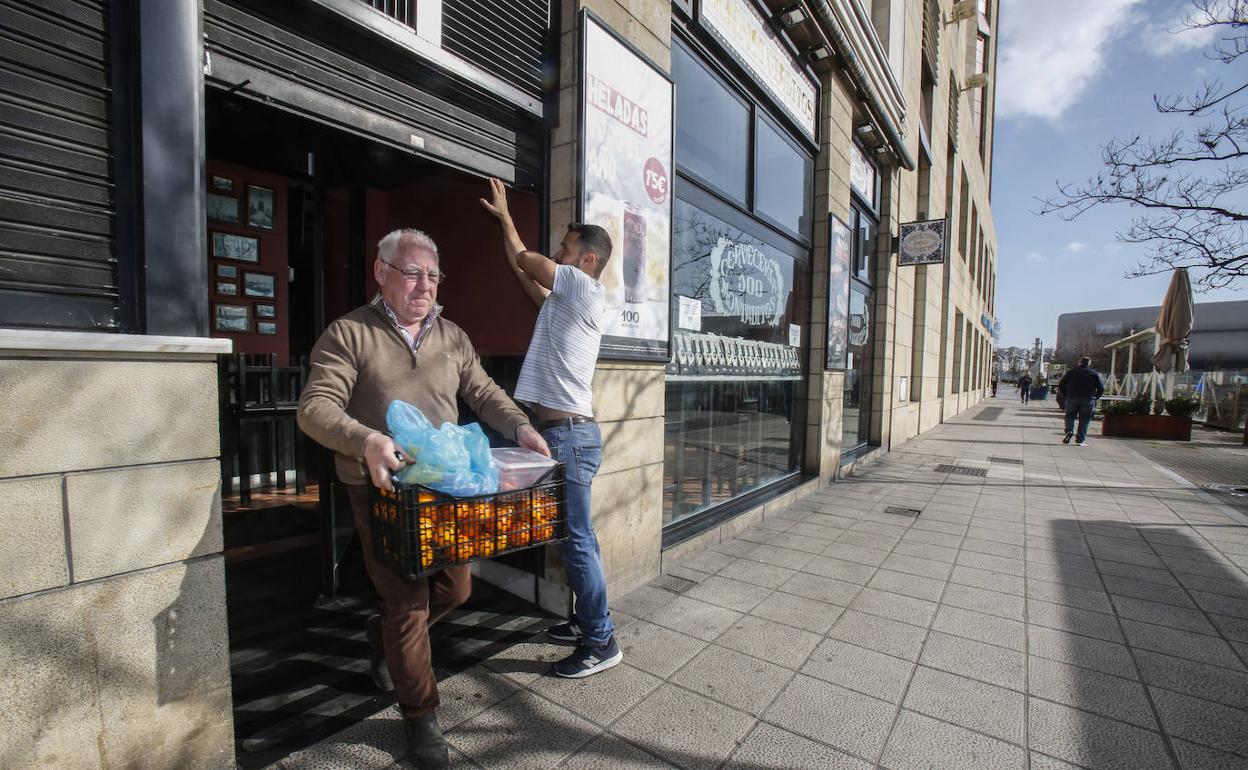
{"type": "Point", "coordinates": [744, 216]}
{"type": "Point", "coordinates": [701, 61]}
{"type": "Point", "coordinates": [759, 108]}
{"type": "Point", "coordinates": [761, 118]}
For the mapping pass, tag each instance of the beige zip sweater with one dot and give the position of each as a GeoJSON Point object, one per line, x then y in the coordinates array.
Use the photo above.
{"type": "Point", "coordinates": [362, 363]}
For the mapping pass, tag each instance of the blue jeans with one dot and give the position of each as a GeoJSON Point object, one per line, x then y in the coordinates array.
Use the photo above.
{"type": "Point", "coordinates": [579, 448]}
{"type": "Point", "coordinates": [1081, 407]}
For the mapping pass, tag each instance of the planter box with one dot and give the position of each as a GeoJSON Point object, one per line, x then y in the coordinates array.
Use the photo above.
{"type": "Point", "coordinates": [1163, 427]}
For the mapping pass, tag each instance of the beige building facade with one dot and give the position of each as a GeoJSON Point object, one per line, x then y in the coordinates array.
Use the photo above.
{"type": "Point", "coordinates": [119, 441]}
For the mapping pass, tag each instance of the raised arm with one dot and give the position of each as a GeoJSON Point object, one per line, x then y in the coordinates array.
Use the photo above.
{"type": "Point", "coordinates": [512, 243]}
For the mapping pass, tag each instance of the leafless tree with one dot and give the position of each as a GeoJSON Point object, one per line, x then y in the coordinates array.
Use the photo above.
{"type": "Point", "coordinates": [1190, 185]}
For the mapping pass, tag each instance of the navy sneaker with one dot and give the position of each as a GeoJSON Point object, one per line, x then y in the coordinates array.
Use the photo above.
{"type": "Point", "coordinates": [566, 632]}
{"type": "Point", "coordinates": [587, 660]}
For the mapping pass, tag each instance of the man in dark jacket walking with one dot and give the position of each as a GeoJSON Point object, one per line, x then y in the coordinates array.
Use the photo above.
{"type": "Point", "coordinates": [1024, 387]}
{"type": "Point", "coordinates": [1080, 387]}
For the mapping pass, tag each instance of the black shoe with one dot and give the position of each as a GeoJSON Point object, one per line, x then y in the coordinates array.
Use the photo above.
{"type": "Point", "coordinates": [377, 667]}
{"type": "Point", "coordinates": [566, 632]}
{"type": "Point", "coordinates": [426, 747]}
{"type": "Point", "coordinates": [1069, 436]}
{"type": "Point", "coordinates": [587, 660]}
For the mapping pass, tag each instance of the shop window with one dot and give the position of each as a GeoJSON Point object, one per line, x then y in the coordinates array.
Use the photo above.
{"type": "Point", "coordinates": [856, 408]}
{"type": "Point", "coordinates": [865, 230]}
{"type": "Point", "coordinates": [784, 174]}
{"type": "Point", "coordinates": [863, 176]}
{"type": "Point", "coordinates": [734, 421]}
{"type": "Point", "coordinates": [712, 127]}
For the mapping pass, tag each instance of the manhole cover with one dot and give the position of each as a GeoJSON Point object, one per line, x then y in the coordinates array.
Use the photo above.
{"type": "Point", "coordinates": [676, 585]}
{"type": "Point", "coordinates": [1005, 460]}
{"type": "Point", "coordinates": [1234, 490]}
{"type": "Point", "coordinates": [897, 509]}
{"type": "Point", "coordinates": [961, 470]}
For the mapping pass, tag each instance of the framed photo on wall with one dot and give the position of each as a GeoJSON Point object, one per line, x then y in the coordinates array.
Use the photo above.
{"type": "Point", "coordinates": [231, 318]}
{"type": "Point", "coordinates": [266, 327]}
{"type": "Point", "coordinates": [243, 248]}
{"type": "Point", "coordinates": [260, 285]}
{"type": "Point", "coordinates": [222, 184]}
{"type": "Point", "coordinates": [626, 133]}
{"type": "Point", "coordinates": [259, 207]}
{"type": "Point", "coordinates": [227, 271]}
{"type": "Point", "coordinates": [227, 288]}
{"type": "Point", "coordinates": [266, 311]}
{"type": "Point", "coordinates": [222, 208]}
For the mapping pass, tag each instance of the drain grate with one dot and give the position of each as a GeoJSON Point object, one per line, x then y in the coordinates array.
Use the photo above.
{"type": "Point", "coordinates": [1005, 460]}
{"type": "Point", "coordinates": [1234, 490]}
{"type": "Point", "coordinates": [676, 585]}
{"type": "Point", "coordinates": [897, 509]}
{"type": "Point", "coordinates": [989, 414]}
{"type": "Point", "coordinates": [961, 470]}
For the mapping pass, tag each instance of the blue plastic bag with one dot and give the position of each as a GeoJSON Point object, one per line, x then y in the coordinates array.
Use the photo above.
{"type": "Point", "coordinates": [454, 459]}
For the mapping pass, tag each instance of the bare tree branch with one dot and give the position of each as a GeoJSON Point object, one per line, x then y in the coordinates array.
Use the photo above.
{"type": "Point", "coordinates": [1192, 185]}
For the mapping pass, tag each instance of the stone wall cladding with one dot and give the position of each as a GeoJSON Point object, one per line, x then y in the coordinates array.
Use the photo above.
{"type": "Point", "coordinates": [113, 638]}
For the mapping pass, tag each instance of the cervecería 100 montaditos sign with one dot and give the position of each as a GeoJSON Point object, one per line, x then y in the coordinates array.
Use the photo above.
{"type": "Point", "coordinates": [746, 284]}
{"type": "Point", "coordinates": [922, 243]}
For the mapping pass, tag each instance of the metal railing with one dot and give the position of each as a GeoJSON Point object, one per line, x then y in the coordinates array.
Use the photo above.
{"type": "Point", "coordinates": [402, 11]}
{"type": "Point", "coordinates": [931, 36]}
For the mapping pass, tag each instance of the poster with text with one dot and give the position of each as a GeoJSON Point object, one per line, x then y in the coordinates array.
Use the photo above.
{"type": "Point", "coordinates": [838, 293]}
{"type": "Point", "coordinates": [626, 173]}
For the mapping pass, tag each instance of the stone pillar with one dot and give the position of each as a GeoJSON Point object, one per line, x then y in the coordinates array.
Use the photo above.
{"type": "Point", "coordinates": [113, 643]}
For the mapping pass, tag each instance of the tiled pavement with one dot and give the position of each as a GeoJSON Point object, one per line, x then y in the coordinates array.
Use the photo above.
{"type": "Point", "coordinates": [1082, 609]}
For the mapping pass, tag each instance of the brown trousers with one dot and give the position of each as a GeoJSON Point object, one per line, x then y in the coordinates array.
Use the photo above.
{"type": "Point", "coordinates": [408, 608]}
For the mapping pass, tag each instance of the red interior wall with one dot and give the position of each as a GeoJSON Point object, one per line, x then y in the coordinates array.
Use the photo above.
{"type": "Point", "coordinates": [480, 294]}
{"type": "Point", "coordinates": [338, 299]}
{"type": "Point", "coordinates": [273, 260]}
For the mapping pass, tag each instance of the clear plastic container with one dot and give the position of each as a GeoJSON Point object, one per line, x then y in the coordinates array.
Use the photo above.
{"type": "Point", "coordinates": [519, 467]}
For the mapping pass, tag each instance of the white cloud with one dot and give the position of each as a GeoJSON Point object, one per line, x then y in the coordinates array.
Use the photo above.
{"type": "Point", "coordinates": [1053, 50]}
{"type": "Point", "coordinates": [1035, 256]}
{"type": "Point", "coordinates": [1168, 37]}
{"type": "Point", "coordinates": [1075, 247]}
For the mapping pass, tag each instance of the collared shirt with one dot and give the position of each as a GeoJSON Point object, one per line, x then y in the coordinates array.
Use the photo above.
{"type": "Point", "coordinates": [413, 342]}
{"type": "Point", "coordinates": [558, 371]}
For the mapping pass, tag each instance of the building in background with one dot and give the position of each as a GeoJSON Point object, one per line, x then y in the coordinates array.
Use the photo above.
{"type": "Point", "coordinates": [194, 190]}
{"type": "Point", "coordinates": [1219, 337]}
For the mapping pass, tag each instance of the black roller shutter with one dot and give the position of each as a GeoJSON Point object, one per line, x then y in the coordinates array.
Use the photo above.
{"type": "Point", "coordinates": [503, 37]}
{"type": "Point", "coordinates": [325, 68]}
{"type": "Point", "coordinates": [57, 217]}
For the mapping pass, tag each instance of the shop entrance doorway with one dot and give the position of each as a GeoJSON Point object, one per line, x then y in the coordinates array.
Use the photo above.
{"type": "Point", "coordinates": [295, 210]}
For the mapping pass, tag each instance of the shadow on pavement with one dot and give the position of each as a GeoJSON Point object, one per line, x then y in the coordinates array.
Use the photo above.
{"type": "Point", "coordinates": [1139, 640]}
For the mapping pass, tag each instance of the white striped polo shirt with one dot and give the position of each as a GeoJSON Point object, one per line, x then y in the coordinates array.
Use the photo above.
{"type": "Point", "coordinates": [558, 370]}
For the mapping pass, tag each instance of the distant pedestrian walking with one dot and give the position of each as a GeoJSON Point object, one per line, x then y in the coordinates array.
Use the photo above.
{"type": "Point", "coordinates": [1024, 388]}
{"type": "Point", "coordinates": [1080, 387]}
{"type": "Point", "coordinates": [994, 386]}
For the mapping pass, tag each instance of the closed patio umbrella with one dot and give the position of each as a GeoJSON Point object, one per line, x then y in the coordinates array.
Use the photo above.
{"type": "Point", "coordinates": [1174, 324]}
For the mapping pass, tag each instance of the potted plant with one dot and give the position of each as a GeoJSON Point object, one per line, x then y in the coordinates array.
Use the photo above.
{"type": "Point", "coordinates": [1133, 419]}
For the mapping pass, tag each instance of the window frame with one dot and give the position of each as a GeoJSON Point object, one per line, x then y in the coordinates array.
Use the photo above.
{"type": "Point", "coordinates": [761, 119]}
{"type": "Point", "coordinates": [757, 102]}
{"type": "Point", "coordinates": [748, 187]}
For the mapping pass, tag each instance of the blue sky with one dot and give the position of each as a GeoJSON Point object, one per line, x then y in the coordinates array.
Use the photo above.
{"type": "Point", "coordinates": [1072, 74]}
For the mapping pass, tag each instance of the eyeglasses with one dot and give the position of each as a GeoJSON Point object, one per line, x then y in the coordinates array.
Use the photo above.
{"type": "Point", "coordinates": [413, 275]}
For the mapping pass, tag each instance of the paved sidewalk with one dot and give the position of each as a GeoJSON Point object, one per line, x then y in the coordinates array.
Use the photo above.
{"type": "Point", "coordinates": [1084, 608]}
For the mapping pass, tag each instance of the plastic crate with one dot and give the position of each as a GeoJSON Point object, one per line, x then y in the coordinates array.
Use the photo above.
{"type": "Point", "coordinates": [419, 530]}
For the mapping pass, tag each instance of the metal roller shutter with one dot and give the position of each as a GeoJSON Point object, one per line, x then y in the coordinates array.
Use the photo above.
{"type": "Point", "coordinates": [506, 37]}
{"type": "Point", "coordinates": [331, 71]}
{"type": "Point", "coordinates": [57, 239]}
